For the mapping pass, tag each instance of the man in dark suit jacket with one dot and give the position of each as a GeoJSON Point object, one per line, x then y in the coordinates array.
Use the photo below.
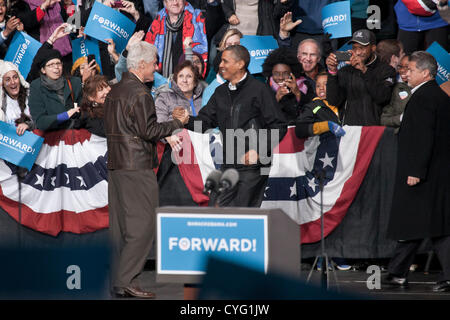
{"type": "Point", "coordinates": [421, 202]}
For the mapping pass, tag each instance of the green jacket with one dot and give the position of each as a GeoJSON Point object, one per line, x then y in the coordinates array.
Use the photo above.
{"type": "Point", "coordinates": [45, 104]}
{"type": "Point", "coordinates": [400, 97]}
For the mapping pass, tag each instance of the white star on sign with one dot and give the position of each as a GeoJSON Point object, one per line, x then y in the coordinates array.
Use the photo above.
{"type": "Point", "coordinates": [40, 180]}
{"type": "Point", "coordinates": [294, 189]}
{"type": "Point", "coordinates": [53, 181]}
{"type": "Point", "coordinates": [81, 181]}
{"type": "Point", "coordinates": [327, 161]}
{"type": "Point", "coordinates": [312, 184]}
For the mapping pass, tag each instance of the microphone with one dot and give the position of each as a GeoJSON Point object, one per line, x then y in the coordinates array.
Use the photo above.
{"type": "Point", "coordinates": [212, 181]}
{"type": "Point", "coordinates": [228, 180]}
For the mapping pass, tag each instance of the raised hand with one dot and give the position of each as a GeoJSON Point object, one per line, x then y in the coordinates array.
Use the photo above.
{"type": "Point", "coordinates": [112, 50]}
{"type": "Point", "coordinates": [89, 71]}
{"type": "Point", "coordinates": [233, 20]}
{"type": "Point", "coordinates": [291, 84]}
{"type": "Point", "coordinates": [287, 24]}
{"type": "Point", "coordinates": [135, 38]}
{"type": "Point", "coordinates": [11, 25]}
{"type": "Point", "coordinates": [58, 33]}
{"type": "Point", "coordinates": [129, 7]}
{"type": "Point", "coordinates": [358, 63]}
{"type": "Point", "coordinates": [48, 4]}
{"type": "Point", "coordinates": [332, 62]}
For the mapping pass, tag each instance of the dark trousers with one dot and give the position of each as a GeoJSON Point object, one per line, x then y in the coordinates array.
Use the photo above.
{"type": "Point", "coordinates": [132, 198]}
{"type": "Point", "coordinates": [406, 250]}
{"type": "Point", "coordinates": [248, 191]}
{"type": "Point", "coordinates": [421, 40]}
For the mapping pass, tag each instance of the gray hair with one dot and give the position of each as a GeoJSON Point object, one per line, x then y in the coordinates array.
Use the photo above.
{"type": "Point", "coordinates": [317, 43]}
{"type": "Point", "coordinates": [141, 51]}
{"type": "Point", "coordinates": [424, 61]}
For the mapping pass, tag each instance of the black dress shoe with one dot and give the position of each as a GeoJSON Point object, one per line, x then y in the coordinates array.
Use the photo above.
{"type": "Point", "coordinates": [138, 293]}
{"type": "Point", "coordinates": [442, 286]}
{"type": "Point", "coordinates": [394, 281]}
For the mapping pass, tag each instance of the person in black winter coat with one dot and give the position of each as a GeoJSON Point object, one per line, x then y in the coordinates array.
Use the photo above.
{"type": "Point", "coordinates": [364, 87]}
{"type": "Point", "coordinates": [241, 106]}
{"type": "Point", "coordinates": [421, 203]}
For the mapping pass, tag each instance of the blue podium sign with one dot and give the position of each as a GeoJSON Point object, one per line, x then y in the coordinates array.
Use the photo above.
{"type": "Point", "coordinates": [21, 52]}
{"type": "Point", "coordinates": [443, 61]}
{"type": "Point", "coordinates": [186, 241]}
{"type": "Point", "coordinates": [259, 48]}
{"type": "Point", "coordinates": [83, 47]}
{"type": "Point", "coordinates": [19, 150]}
{"type": "Point", "coordinates": [336, 19]}
{"type": "Point", "coordinates": [107, 23]}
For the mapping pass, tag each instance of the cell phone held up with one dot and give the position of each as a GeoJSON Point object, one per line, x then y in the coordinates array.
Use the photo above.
{"type": "Point", "coordinates": [117, 4]}
{"type": "Point", "coordinates": [343, 55]}
{"type": "Point", "coordinates": [90, 58]}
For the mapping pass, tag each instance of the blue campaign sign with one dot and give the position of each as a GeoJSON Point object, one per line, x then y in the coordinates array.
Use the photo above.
{"type": "Point", "coordinates": [259, 48]}
{"type": "Point", "coordinates": [83, 47]}
{"type": "Point", "coordinates": [107, 23]}
{"type": "Point", "coordinates": [186, 241]}
{"type": "Point", "coordinates": [336, 19]}
{"type": "Point", "coordinates": [21, 52]}
{"type": "Point", "coordinates": [19, 150]}
{"type": "Point", "coordinates": [443, 60]}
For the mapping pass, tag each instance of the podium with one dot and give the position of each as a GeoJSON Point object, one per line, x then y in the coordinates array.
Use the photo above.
{"type": "Point", "coordinates": [261, 239]}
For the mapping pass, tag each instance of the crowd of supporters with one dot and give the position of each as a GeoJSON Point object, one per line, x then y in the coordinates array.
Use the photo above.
{"type": "Point", "coordinates": [313, 86]}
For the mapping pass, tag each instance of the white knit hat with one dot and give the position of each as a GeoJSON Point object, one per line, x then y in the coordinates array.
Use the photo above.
{"type": "Point", "coordinates": [6, 66]}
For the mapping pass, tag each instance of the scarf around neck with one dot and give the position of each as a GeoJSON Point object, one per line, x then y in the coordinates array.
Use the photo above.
{"type": "Point", "coordinates": [171, 29]}
{"type": "Point", "coordinates": [52, 19]}
{"type": "Point", "coordinates": [54, 85]}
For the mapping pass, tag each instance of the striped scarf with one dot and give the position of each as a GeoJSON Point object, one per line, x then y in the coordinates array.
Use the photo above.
{"type": "Point", "coordinates": [171, 30]}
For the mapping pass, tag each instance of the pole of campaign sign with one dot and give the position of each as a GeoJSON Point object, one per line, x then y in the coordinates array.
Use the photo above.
{"type": "Point", "coordinates": [21, 52]}
{"type": "Point", "coordinates": [19, 150]}
{"type": "Point", "coordinates": [107, 23]}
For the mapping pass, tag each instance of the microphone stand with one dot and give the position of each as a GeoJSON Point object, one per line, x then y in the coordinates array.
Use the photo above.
{"type": "Point", "coordinates": [324, 278]}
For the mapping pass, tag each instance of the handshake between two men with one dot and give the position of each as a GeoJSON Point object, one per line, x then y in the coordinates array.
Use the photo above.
{"type": "Point", "coordinates": [181, 114]}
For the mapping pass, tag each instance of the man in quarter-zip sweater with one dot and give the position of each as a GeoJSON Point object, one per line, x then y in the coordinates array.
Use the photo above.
{"type": "Point", "coordinates": [240, 104]}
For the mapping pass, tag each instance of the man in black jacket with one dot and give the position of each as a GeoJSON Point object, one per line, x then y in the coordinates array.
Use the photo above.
{"type": "Point", "coordinates": [421, 202]}
{"type": "Point", "coordinates": [247, 114]}
{"type": "Point", "coordinates": [363, 87]}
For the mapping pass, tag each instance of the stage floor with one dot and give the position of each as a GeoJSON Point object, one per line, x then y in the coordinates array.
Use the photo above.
{"type": "Point", "coordinates": [348, 281]}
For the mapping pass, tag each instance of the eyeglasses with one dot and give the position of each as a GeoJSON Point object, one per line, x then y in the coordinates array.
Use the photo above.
{"type": "Point", "coordinates": [54, 65]}
{"type": "Point", "coordinates": [283, 75]}
{"type": "Point", "coordinates": [173, 1]}
{"type": "Point", "coordinates": [402, 66]}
